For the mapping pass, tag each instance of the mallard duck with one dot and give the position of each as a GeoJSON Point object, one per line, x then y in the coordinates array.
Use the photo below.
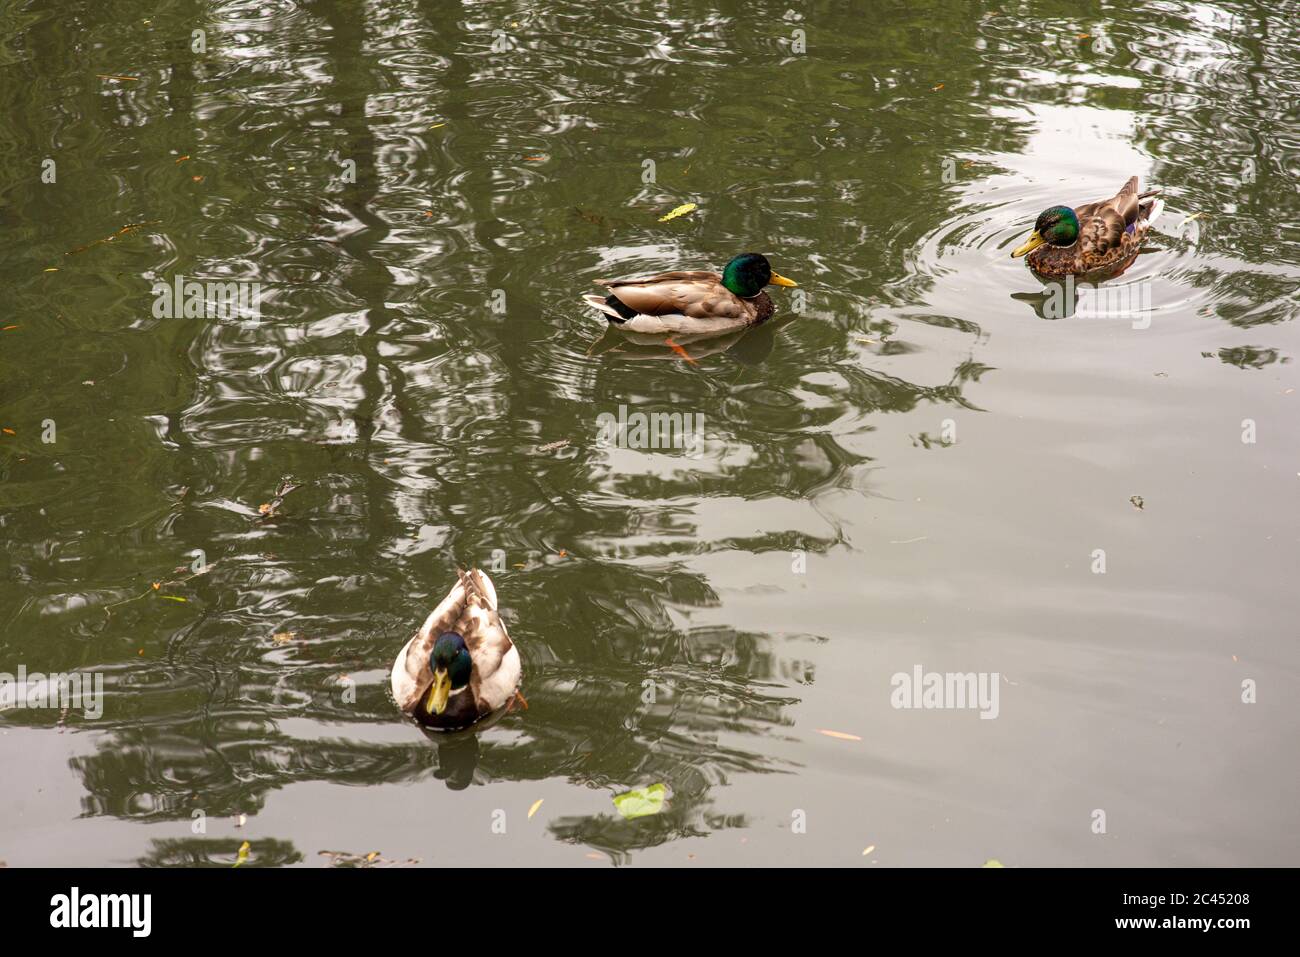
{"type": "Point", "coordinates": [692, 302]}
{"type": "Point", "coordinates": [461, 666]}
{"type": "Point", "coordinates": [1101, 236]}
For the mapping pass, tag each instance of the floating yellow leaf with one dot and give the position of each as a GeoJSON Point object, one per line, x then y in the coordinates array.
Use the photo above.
{"type": "Point", "coordinates": [536, 804]}
{"type": "Point", "coordinates": [842, 735]}
{"type": "Point", "coordinates": [174, 598]}
{"type": "Point", "coordinates": [436, 125]}
{"type": "Point", "coordinates": [869, 849]}
{"type": "Point", "coordinates": [993, 862]}
{"type": "Point", "coordinates": [242, 856]}
{"type": "Point", "coordinates": [681, 210]}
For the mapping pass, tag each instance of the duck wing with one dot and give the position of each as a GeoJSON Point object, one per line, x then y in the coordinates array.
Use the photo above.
{"type": "Point", "coordinates": [1103, 225]}
{"type": "Point", "coordinates": [696, 295]}
{"type": "Point", "coordinates": [411, 674]}
{"type": "Point", "coordinates": [497, 668]}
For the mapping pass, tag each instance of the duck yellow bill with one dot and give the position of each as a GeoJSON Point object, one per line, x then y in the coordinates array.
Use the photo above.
{"type": "Point", "coordinates": [436, 700]}
{"type": "Point", "coordinates": [1032, 243]}
{"type": "Point", "coordinates": [781, 281]}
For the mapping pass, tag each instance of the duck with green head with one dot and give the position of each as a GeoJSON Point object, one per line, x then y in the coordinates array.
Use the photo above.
{"type": "Point", "coordinates": [693, 302]}
{"type": "Point", "coordinates": [1098, 237]}
{"type": "Point", "coordinates": [461, 666]}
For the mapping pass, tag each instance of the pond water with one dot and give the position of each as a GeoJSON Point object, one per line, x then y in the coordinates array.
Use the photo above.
{"type": "Point", "coordinates": [921, 464]}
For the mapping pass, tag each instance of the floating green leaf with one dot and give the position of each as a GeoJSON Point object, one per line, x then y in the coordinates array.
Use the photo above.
{"type": "Point", "coordinates": [993, 862]}
{"type": "Point", "coordinates": [642, 801]}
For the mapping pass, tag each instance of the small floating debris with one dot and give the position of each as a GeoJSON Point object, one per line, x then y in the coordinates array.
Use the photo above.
{"type": "Point", "coordinates": [268, 509]}
{"type": "Point", "coordinates": [1137, 502]}
{"type": "Point", "coordinates": [594, 218]}
{"type": "Point", "coordinates": [373, 859]}
{"type": "Point", "coordinates": [839, 735]}
{"type": "Point", "coordinates": [129, 227]}
{"type": "Point", "coordinates": [533, 810]}
{"type": "Point", "coordinates": [551, 446]}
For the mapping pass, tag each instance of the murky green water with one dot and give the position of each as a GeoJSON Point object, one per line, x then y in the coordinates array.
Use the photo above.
{"type": "Point", "coordinates": [914, 465]}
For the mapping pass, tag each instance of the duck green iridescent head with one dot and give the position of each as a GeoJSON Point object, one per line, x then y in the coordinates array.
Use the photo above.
{"type": "Point", "coordinates": [451, 666]}
{"type": "Point", "coordinates": [748, 273]}
{"type": "Point", "coordinates": [1056, 226]}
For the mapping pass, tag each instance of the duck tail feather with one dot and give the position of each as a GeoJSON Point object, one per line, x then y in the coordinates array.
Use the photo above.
{"type": "Point", "coordinates": [1152, 211]}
